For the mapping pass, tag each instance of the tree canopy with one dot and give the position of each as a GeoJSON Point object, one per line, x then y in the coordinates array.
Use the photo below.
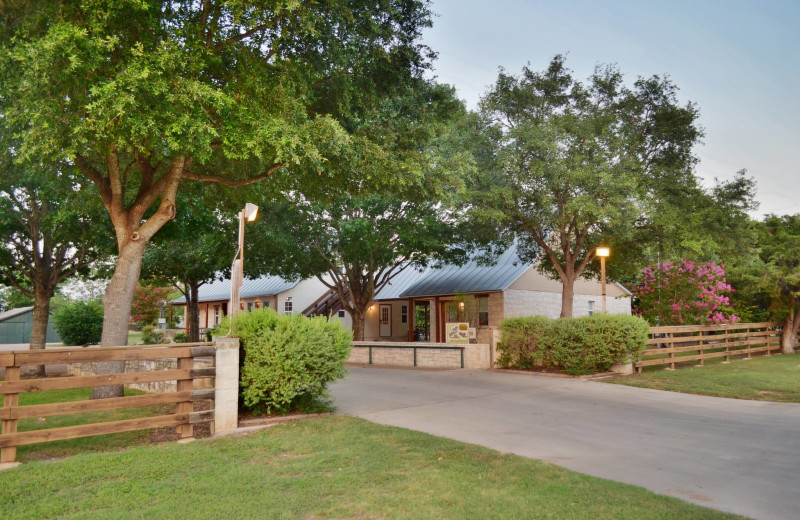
{"type": "Point", "coordinates": [571, 165]}
{"type": "Point", "coordinates": [386, 204]}
{"type": "Point", "coordinates": [142, 95]}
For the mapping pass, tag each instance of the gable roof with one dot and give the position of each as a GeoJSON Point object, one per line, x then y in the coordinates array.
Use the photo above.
{"type": "Point", "coordinates": [471, 277]}
{"type": "Point", "coordinates": [220, 290]}
{"type": "Point", "coordinates": [14, 312]}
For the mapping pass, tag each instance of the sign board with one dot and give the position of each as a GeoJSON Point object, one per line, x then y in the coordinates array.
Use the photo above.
{"type": "Point", "coordinates": [456, 332]}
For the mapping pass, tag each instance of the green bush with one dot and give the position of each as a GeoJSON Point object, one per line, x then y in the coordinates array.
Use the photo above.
{"type": "Point", "coordinates": [181, 337]}
{"type": "Point", "coordinates": [151, 336]}
{"type": "Point", "coordinates": [521, 345]}
{"type": "Point", "coordinates": [288, 359]}
{"type": "Point", "coordinates": [593, 343]}
{"type": "Point", "coordinates": [573, 345]}
{"type": "Point", "coordinates": [79, 323]}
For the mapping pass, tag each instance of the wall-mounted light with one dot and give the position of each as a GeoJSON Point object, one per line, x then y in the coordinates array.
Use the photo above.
{"type": "Point", "coordinates": [288, 298]}
{"type": "Point", "coordinates": [461, 305]}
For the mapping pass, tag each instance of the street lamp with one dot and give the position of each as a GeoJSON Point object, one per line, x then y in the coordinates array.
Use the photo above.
{"type": "Point", "coordinates": [248, 214]}
{"type": "Point", "coordinates": [603, 252]}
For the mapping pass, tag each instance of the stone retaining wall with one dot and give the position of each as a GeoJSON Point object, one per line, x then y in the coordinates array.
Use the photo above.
{"type": "Point", "coordinates": [476, 355]}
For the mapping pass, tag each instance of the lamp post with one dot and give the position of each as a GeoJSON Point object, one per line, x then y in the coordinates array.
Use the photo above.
{"type": "Point", "coordinates": [603, 252]}
{"type": "Point", "coordinates": [248, 214]}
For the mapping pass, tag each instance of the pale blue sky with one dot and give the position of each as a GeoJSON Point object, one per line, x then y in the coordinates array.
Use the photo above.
{"type": "Point", "coordinates": [738, 60]}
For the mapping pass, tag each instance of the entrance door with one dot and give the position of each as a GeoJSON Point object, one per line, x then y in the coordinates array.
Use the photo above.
{"type": "Point", "coordinates": [385, 320]}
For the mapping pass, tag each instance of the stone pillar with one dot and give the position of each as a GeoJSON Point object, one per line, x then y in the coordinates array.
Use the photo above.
{"type": "Point", "coordinates": [226, 403]}
{"type": "Point", "coordinates": [495, 339]}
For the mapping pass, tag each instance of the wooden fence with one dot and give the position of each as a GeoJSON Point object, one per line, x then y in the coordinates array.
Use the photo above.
{"type": "Point", "coordinates": [183, 418]}
{"type": "Point", "coordinates": [680, 344]}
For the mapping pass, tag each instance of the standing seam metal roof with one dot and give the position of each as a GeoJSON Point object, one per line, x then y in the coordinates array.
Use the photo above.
{"type": "Point", "coordinates": [471, 277]}
{"type": "Point", "coordinates": [220, 290]}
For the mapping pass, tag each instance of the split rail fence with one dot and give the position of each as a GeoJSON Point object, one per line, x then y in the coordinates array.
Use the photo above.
{"type": "Point", "coordinates": [183, 417]}
{"type": "Point", "coordinates": [679, 344]}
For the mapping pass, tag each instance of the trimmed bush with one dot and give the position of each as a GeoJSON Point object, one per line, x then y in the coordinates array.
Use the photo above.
{"type": "Point", "coordinates": [575, 346]}
{"type": "Point", "coordinates": [593, 343]}
{"type": "Point", "coordinates": [151, 336]}
{"type": "Point", "coordinates": [288, 359]}
{"type": "Point", "coordinates": [79, 323]}
{"type": "Point", "coordinates": [521, 345]}
{"type": "Point", "coordinates": [180, 337]}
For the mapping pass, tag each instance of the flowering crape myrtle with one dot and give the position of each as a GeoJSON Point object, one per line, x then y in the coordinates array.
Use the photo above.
{"type": "Point", "coordinates": [684, 293]}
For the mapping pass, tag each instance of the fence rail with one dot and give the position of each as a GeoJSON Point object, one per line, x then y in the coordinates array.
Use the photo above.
{"type": "Point", "coordinates": [183, 418]}
{"type": "Point", "coordinates": [677, 344]}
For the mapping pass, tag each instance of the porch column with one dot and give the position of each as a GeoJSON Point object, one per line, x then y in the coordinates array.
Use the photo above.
{"type": "Point", "coordinates": [410, 320]}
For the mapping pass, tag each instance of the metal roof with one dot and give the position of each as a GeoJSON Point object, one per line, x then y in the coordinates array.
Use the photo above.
{"type": "Point", "coordinates": [472, 277]}
{"type": "Point", "coordinates": [14, 312]}
{"type": "Point", "coordinates": [220, 290]}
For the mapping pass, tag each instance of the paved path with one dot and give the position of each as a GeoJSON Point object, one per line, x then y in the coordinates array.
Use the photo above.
{"type": "Point", "coordinates": [733, 455]}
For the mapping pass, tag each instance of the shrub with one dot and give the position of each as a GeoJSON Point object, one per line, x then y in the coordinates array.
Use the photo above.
{"type": "Point", "coordinates": [593, 343]}
{"type": "Point", "coordinates": [151, 336]}
{"type": "Point", "coordinates": [684, 293]}
{"type": "Point", "coordinates": [574, 345]}
{"type": "Point", "coordinates": [147, 303]}
{"type": "Point", "coordinates": [288, 359]}
{"type": "Point", "coordinates": [521, 345]}
{"type": "Point", "coordinates": [180, 337]}
{"type": "Point", "coordinates": [79, 323]}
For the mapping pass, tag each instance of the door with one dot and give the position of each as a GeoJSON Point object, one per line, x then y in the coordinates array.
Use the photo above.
{"type": "Point", "coordinates": [385, 320]}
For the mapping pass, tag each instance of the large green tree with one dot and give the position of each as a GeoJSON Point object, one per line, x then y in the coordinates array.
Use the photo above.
{"type": "Point", "coordinates": [572, 165]}
{"type": "Point", "coordinates": [50, 230]}
{"type": "Point", "coordinates": [144, 95]}
{"type": "Point", "coordinates": [387, 204]}
{"type": "Point", "coordinates": [192, 250]}
{"type": "Point", "coordinates": [769, 278]}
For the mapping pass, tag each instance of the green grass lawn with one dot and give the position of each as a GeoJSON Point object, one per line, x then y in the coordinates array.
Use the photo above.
{"type": "Point", "coordinates": [336, 467]}
{"type": "Point", "coordinates": [99, 443]}
{"type": "Point", "coordinates": [766, 378]}
{"type": "Point", "coordinates": [134, 337]}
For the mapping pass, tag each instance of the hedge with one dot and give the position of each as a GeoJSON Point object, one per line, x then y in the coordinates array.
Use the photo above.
{"type": "Point", "coordinates": [287, 358]}
{"type": "Point", "coordinates": [79, 323]}
{"type": "Point", "coordinates": [574, 346]}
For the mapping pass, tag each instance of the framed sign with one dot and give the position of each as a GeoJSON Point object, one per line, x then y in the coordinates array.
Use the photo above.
{"type": "Point", "coordinates": [456, 332]}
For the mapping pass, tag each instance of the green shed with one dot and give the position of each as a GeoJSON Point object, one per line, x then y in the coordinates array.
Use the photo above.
{"type": "Point", "coordinates": [16, 324]}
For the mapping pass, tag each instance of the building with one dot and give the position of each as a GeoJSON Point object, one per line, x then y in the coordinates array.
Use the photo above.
{"type": "Point", "coordinates": [274, 292]}
{"type": "Point", "coordinates": [418, 304]}
{"type": "Point", "coordinates": [16, 325]}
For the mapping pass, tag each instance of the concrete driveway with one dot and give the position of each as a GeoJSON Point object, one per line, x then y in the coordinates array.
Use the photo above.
{"type": "Point", "coordinates": [732, 455]}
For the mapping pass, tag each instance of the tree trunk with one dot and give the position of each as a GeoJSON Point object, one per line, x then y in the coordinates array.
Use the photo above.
{"type": "Point", "coordinates": [789, 332]}
{"type": "Point", "coordinates": [117, 310]}
{"type": "Point", "coordinates": [567, 297]}
{"type": "Point", "coordinates": [41, 315]}
{"type": "Point", "coordinates": [359, 318]}
{"type": "Point", "coordinates": [193, 307]}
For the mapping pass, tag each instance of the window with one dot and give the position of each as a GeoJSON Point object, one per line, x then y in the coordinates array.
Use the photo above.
{"type": "Point", "coordinates": [267, 304]}
{"type": "Point", "coordinates": [591, 308]}
{"type": "Point", "coordinates": [287, 307]}
{"type": "Point", "coordinates": [342, 314]}
{"type": "Point", "coordinates": [216, 314]}
{"type": "Point", "coordinates": [483, 311]}
{"type": "Point", "coordinates": [404, 314]}
{"type": "Point", "coordinates": [249, 306]}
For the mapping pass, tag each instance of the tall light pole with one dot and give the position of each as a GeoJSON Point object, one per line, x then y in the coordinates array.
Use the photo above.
{"type": "Point", "coordinates": [248, 214]}
{"type": "Point", "coordinates": [603, 252]}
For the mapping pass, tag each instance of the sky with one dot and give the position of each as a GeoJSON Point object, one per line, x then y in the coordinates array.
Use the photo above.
{"type": "Point", "coordinates": [739, 61]}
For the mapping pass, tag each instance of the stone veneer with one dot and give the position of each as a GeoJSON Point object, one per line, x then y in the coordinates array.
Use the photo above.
{"type": "Point", "coordinates": [476, 355]}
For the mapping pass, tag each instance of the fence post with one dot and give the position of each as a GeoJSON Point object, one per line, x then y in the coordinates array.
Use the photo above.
{"type": "Point", "coordinates": [185, 430]}
{"type": "Point", "coordinates": [727, 348]}
{"type": "Point", "coordinates": [9, 455]}
{"type": "Point", "coordinates": [226, 385]}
